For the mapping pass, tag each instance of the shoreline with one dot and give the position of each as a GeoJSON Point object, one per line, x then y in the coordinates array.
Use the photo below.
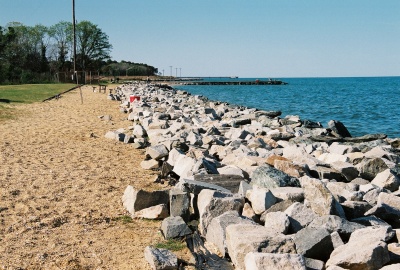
{"type": "Point", "coordinates": [227, 157]}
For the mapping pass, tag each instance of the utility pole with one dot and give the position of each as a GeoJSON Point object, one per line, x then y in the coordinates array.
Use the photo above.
{"type": "Point", "coordinates": [74, 33]}
{"type": "Point", "coordinates": [170, 67]}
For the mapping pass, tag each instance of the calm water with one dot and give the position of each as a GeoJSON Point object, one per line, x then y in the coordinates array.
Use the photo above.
{"type": "Point", "coordinates": [365, 105]}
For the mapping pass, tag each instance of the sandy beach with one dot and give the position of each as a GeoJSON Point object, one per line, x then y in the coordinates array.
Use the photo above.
{"type": "Point", "coordinates": [61, 187]}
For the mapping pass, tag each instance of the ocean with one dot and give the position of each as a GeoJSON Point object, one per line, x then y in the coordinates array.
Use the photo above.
{"type": "Point", "coordinates": [365, 105]}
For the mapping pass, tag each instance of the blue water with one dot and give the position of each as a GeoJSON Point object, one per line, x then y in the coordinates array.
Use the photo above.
{"type": "Point", "coordinates": [365, 105]}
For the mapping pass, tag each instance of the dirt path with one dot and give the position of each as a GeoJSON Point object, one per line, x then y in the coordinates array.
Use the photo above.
{"type": "Point", "coordinates": [61, 188]}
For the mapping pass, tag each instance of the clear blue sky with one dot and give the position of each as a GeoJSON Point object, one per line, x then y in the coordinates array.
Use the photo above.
{"type": "Point", "coordinates": [256, 38]}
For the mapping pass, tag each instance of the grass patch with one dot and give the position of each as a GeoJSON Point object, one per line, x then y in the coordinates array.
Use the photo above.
{"type": "Point", "coordinates": [29, 93]}
{"type": "Point", "coordinates": [171, 244]}
{"type": "Point", "coordinates": [13, 95]}
{"type": "Point", "coordinates": [124, 219]}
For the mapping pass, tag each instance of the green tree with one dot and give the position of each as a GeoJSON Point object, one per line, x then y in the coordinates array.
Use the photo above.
{"type": "Point", "coordinates": [93, 46]}
{"type": "Point", "coordinates": [7, 36]}
{"type": "Point", "coordinates": [61, 35]}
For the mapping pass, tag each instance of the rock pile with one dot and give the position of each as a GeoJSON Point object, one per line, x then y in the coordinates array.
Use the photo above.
{"type": "Point", "coordinates": [268, 192]}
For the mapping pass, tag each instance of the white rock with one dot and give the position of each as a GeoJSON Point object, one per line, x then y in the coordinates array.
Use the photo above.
{"type": "Point", "coordinates": [262, 261]}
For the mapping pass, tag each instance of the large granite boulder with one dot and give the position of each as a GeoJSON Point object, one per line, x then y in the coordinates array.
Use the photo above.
{"type": "Point", "coordinates": [299, 216]}
{"type": "Point", "coordinates": [137, 199]}
{"type": "Point", "coordinates": [320, 198]}
{"type": "Point", "coordinates": [174, 227]}
{"type": "Point", "coordinates": [387, 179]}
{"type": "Point", "coordinates": [338, 129]}
{"type": "Point", "coordinates": [366, 249]}
{"type": "Point", "coordinates": [267, 176]}
{"type": "Point", "coordinates": [261, 199]}
{"type": "Point", "coordinates": [242, 239]}
{"type": "Point", "coordinates": [179, 203]}
{"type": "Point", "coordinates": [277, 221]}
{"type": "Point", "coordinates": [369, 168]}
{"type": "Point", "coordinates": [261, 261]}
{"type": "Point", "coordinates": [213, 203]}
{"type": "Point", "coordinates": [315, 243]}
{"type": "Point", "coordinates": [160, 258]}
{"type": "Point", "coordinates": [336, 224]}
{"type": "Point", "coordinates": [216, 232]}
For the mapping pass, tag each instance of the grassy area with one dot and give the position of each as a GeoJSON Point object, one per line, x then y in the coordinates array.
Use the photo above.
{"type": "Point", "coordinates": [11, 95]}
{"type": "Point", "coordinates": [171, 244]}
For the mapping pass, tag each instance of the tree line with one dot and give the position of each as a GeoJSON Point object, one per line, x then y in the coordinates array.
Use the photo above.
{"type": "Point", "coordinates": [37, 54]}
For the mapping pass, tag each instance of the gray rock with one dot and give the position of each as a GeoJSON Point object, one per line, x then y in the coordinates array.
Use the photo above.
{"type": "Point", "coordinates": [354, 209]}
{"type": "Point", "coordinates": [216, 232]}
{"type": "Point", "coordinates": [213, 203]}
{"type": "Point", "coordinates": [340, 149]}
{"type": "Point", "coordinates": [159, 211]}
{"type": "Point", "coordinates": [387, 179]}
{"type": "Point", "coordinates": [150, 164]}
{"type": "Point", "coordinates": [387, 208]}
{"type": "Point", "coordinates": [139, 131]}
{"type": "Point", "coordinates": [179, 203]}
{"type": "Point", "coordinates": [313, 264]}
{"type": "Point", "coordinates": [184, 165]}
{"type": "Point", "coordinates": [288, 193]}
{"type": "Point", "coordinates": [315, 243]}
{"type": "Point", "coordinates": [369, 168]}
{"type": "Point", "coordinates": [261, 199]}
{"type": "Point", "coordinates": [160, 259]}
{"type": "Point", "coordinates": [348, 170]}
{"type": "Point", "coordinates": [366, 249]}
{"type": "Point", "coordinates": [394, 252]}
{"type": "Point", "coordinates": [336, 224]}
{"type": "Point", "coordinates": [366, 138]}
{"type": "Point", "coordinates": [338, 129]}
{"type": "Point", "coordinates": [323, 172]}
{"type": "Point", "coordinates": [299, 216]}
{"type": "Point", "coordinates": [230, 182]}
{"type": "Point", "coordinates": [320, 198]}
{"type": "Point", "coordinates": [196, 187]}
{"type": "Point", "coordinates": [342, 192]}
{"type": "Point", "coordinates": [242, 239]}
{"type": "Point", "coordinates": [370, 221]}
{"type": "Point", "coordinates": [136, 200]}
{"type": "Point", "coordinates": [371, 196]}
{"type": "Point", "coordinates": [194, 139]}
{"type": "Point", "coordinates": [261, 261]}
{"type": "Point", "coordinates": [243, 188]}
{"type": "Point", "coordinates": [174, 155]}
{"type": "Point", "coordinates": [268, 177]}
{"type": "Point", "coordinates": [157, 152]}
{"type": "Point", "coordinates": [174, 227]}
{"type": "Point", "coordinates": [231, 170]}
{"type": "Point", "coordinates": [277, 221]}
{"type": "Point", "coordinates": [115, 135]}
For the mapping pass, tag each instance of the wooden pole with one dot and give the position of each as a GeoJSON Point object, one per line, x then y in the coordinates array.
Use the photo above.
{"type": "Point", "coordinates": [74, 33]}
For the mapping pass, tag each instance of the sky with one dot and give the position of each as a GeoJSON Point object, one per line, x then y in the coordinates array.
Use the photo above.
{"type": "Point", "coordinates": [255, 38]}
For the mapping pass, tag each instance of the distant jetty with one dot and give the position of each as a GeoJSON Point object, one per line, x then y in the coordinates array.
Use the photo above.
{"type": "Point", "coordinates": [256, 82]}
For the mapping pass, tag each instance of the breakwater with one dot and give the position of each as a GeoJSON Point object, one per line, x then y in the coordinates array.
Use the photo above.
{"type": "Point", "coordinates": [232, 82]}
{"type": "Point", "coordinates": [259, 186]}
{"type": "Point", "coordinates": [364, 105]}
